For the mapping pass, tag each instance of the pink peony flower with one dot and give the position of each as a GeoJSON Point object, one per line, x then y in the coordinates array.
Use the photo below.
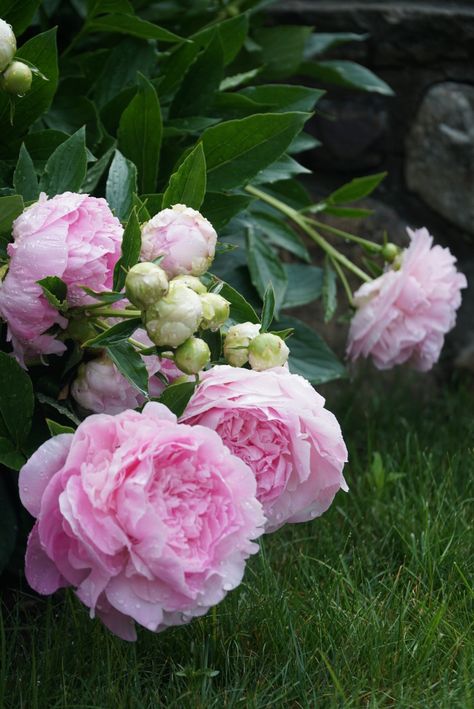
{"type": "Point", "coordinates": [183, 236]}
{"type": "Point", "coordinates": [150, 520]}
{"type": "Point", "coordinates": [73, 236]}
{"type": "Point", "coordinates": [403, 315]}
{"type": "Point", "coordinates": [277, 424]}
{"type": "Point", "coordinates": [102, 389]}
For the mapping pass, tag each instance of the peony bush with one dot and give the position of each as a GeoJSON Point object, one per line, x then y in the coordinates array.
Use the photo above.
{"type": "Point", "coordinates": [157, 401]}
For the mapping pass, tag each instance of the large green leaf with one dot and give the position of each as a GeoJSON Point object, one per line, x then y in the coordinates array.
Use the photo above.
{"type": "Point", "coordinates": [120, 68]}
{"type": "Point", "coordinates": [284, 97]}
{"type": "Point", "coordinates": [236, 150]}
{"type": "Point", "coordinates": [16, 399]}
{"type": "Point", "coordinates": [321, 42]}
{"type": "Point", "coordinates": [282, 48]}
{"type": "Point", "coordinates": [18, 13]}
{"type": "Point", "coordinates": [121, 185]}
{"type": "Point", "coordinates": [25, 179]}
{"type": "Point", "coordinates": [232, 33]}
{"type": "Point", "coordinates": [140, 131]}
{"type": "Point", "coordinates": [220, 207]}
{"type": "Point", "coordinates": [265, 267]}
{"type": "Point", "coordinates": [66, 168]}
{"type": "Point", "coordinates": [40, 51]}
{"type": "Point", "coordinates": [200, 82]}
{"type": "Point", "coordinates": [131, 245]}
{"type": "Point", "coordinates": [188, 184]}
{"type": "Point", "coordinates": [177, 396]}
{"type": "Point", "coordinates": [309, 354]}
{"type": "Point", "coordinates": [347, 74]}
{"type": "Point", "coordinates": [279, 233]}
{"type": "Point", "coordinates": [304, 284]}
{"type": "Point", "coordinates": [284, 168]}
{"type": "Point", "coordinates": [240, 309]}
{"type": "Point", "coordinates": [356, 189]}
{"type": "Point", "coordinates": [132, 25]}
{"type": "Point", "coordinates": [130, 364]}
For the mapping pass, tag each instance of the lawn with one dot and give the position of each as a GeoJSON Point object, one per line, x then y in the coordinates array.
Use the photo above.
{"type": "Point", "coordinates": [370, 606]}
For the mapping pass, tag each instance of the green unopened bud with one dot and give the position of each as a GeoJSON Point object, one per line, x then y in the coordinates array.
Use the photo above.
{"type": "Point", "coordinates": [267, 350]}
{"type": "Point", "coordinates": [192, 282]}
{"type": "Point", "coordinates": [145, 284]}
{"type": "Point", "coordinates": [17, 79]}
{"type": "Point", "coordinates": [215, 311]}
{"type": "Point", "coordinates": [237, 342]}
{"type": "Point", "coordinates": [192, 355]}
{"type": "Point", "coordinates": [7, 44]}
{"type": "Point", "coordinates": [390, 252]}
{"type": "Point", "coordinates": [174, 318]}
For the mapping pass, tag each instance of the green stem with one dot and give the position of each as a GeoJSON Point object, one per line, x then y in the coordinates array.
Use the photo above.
{"type": "Point", "coordinates": [345, 235]}
{"type": "Point", "coordinates": [111, 313]}
{"type": "Point", "coordinates": [332, 252]}
{"type": "Point", "coordinates": [344, 281]}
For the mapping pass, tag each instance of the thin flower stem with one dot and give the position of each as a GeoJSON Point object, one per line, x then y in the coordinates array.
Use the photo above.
{"type": "Point", "coordinates": [345, 235]}
{"type": "Point", "coordinates": [306, 226]}
{"type": "Point", "coordinates": [111, 313]}
{"type": "Point", "coordinates": [344, 281]}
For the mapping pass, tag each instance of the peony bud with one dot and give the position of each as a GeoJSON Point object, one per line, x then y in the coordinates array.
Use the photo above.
{"type": "Point", "coordinates": [237, 341]}
{"type": "Point", "coordinates": [215, 311]}
{"type": "Point", "coordinates": [183, 236]}
{"type": "Point", "coordinates": [7, 44]}
{"type": "Point", "coordinates": [390, 252]}
{"type": "Point", "coordinates": [192, 282]}
{"type": "Point", "coordinates": [17, 79]}
{"type": "Point", "coordinates": [145, 284]}
{"type": "Point", "coordinates": [174, 318]}
{"type": "Point", "coordinates": [192, 355]}
{"type": "Point", "coordinates": [266, 351]}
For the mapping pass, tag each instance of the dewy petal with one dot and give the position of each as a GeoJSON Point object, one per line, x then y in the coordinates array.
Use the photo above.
{"type": "Point", "coordinates": [119, 623]}
{"type": "Point", "coordinates": [41, 572]}
{"type": "Point", "coordinates": [40, 468]}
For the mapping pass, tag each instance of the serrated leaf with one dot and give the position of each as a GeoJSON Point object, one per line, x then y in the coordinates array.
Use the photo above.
{"type": "Point", "coordinates": [265, 268]}
{"type": "Point", "coordinates": [176, 396]}
{"type": "Point", "coordinates": [131, 245]}
{"type": "Point", "coordinates": [130, 364]}
{"type": "Point", "coordinates": [66, 167]}
{"type": "Point", "coordinates": [25, 179]}
{"type": "Point", "coordinates": [121, 185]}
{"type": "Point", "coordinates": [188, 184]}
{"type": "Point", "coordinates": [16, 399]}
{"type": "Point", "coordinates": [356, 189]}
{"type": "Point", "coordinates": [268, 308]}
{"type": "Point", "coordinates": [329, 291]}
{"type": "Point", "coordinates": [119, 332]}
{"type": "Point", "coordinates": [55, 291]}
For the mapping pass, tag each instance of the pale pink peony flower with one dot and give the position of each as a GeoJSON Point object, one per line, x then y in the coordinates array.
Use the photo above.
{"type": "Point", "coordinates": [73, 236]}
{"type": "Point", "coordinates": [183, 236]}
{"type": "Point", "coordinates": [277, 424]}
{"type": "Point", "coordinates": [403, 316]}
{"type": "Point", "coordinates": [149, 520]}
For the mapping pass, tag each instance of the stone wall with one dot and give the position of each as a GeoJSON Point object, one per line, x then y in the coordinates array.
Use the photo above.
{"type": "Point", "coordinates": [423, 136]}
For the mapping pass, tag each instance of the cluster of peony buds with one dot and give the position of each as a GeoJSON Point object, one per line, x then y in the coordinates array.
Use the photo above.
{"type": "Point", "coordinates": [244, 343]}
{"type": "Point", "coordinates": [15, 76]}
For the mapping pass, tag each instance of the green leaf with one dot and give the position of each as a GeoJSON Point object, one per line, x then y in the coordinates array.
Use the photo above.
{"type": "Point", "coordinates": [66, 168]}
{"type": "Point", "coordinates": [131, 245]}
{"type": "Point", "coordinates": [57, 428]}
{"type": "Point", "coordinates": [130, 364]}
{"type": "Point", "coordinates": [8, 524]}
{"type": "Point", "coordinates": [117, 80]}
{"type": "Point", "coordinates": [25, 180]}
{"type": "Point", "coordinates": [347, 74]}
{"type": "Point", "coordinates": [188, 184]}
{"type": "Point", "coordinates": [265, 268]}
{"type": "Point", "coordinates": [240, 309]}
{"type": "Point", "coordinates": [177, 396]}
{"type": "Point", "coordinates": [321, 42]}
{"type": "Point", "coordinates": [232, 33]}
{"type": "Point", "coordinates": [121, 185]}
{"type": "Point", "coordinates": [236, 150]}
{"type": "Point", "coordinates": [95, 172]}
{"type": "Point", "coordinates": [16, 399]}
{"type": "Point", "coordinates": [132, 25]}
{"type": "Point", "coordinates": [10, 456]}
{"type": "Point", "coordinates": [140, 132]}
{"type": "Point", "coordinates": [59, 406]}
{"type": "Point", "coordinates": [103, 296]}
{"type": "Point", "coordinates": [302, 143]}
{"type": "Point", "coordinates": [347, 212]}
{"type": "Point", "coordinates": [309, 354]}
{"type": "Point", "coordinates": [18, 13]}
{"type": "Point", "coordinates": [10, 208]}
{"type": "Point", "coordinates": [187, 126]}
{"type": "Point", "coordinates": [279, 233]}
{"type": "Point", "coordinates": [101, 7]}
{"type": "Point", "coordinates": [232, 82]}
{"type": "Point", "coordinates": [119, 332]}
{"type": "Point", "coordinates": [304, 284]}
{"type": "Point", "coordinates": [329, 292]}
{"type": "Point", "coordinates": [55, 291]}
{"type": "Point", "coordinates": [284, 168]}
{"type": "Point", "coordinates": [219, 208]}
{"type": "Point", "coordinates": [214, 342]}
{"type": "Point", "coordinates": [40, 51]}
{"type": "Point", "coordinates": [200, 82]}
{"type": "Point", "coordinates": [284, 97]}
{"type": "Point", "coordinates": [282, 48]}
{"type": "Point", "coordinates": [356, 189]}
{"type": "Point", "coordinates": [268, 308]}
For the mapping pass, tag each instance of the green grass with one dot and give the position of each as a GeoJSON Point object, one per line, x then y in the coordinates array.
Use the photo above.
{"type": "Point", "coordinates": [370, 606]}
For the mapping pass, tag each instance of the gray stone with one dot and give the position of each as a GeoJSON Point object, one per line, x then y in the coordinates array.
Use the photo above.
{"type": "Point", "coordinates": [439, 165]}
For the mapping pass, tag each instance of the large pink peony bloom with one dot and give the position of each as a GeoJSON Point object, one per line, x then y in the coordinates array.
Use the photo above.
{"type": "Point", "coordinates": [278, 425]}
{"type": "Point", "coordinates": [403, 315]}
{"type": "Point", "coordinates": [183, 236]}
{"type": "Point", "coordinates": [102, 389]}
{"type": "Point", "coordinates": [73, 236]}
{"type": "Point", "coordinates": [149, 519]}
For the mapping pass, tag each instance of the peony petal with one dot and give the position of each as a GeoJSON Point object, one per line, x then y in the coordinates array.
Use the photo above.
{"type": "Point", "coordinates": [40, 468]}
{"type": "Point", "coordinates": [41, 572]}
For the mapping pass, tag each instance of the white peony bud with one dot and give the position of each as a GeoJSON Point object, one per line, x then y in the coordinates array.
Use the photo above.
{"type": "Point", "coordinates": [237, 341]}
{"type": "Point", "coordinates": [192, 355]}
{"type": "Point", "coordinates": [266, 351]}
{"type": "Point", "coordinates": [174, 318]}
{"type": "Point", "coordinates": [7, 44]}
{"type": "Point", "coordinates": [17, 78]}
{"type": "Point", "coordinates": [145, 284]}
{"type": "Point", "coordinates": [192, 282]}
{"type": "Point", "coordinates": [215, 311]}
